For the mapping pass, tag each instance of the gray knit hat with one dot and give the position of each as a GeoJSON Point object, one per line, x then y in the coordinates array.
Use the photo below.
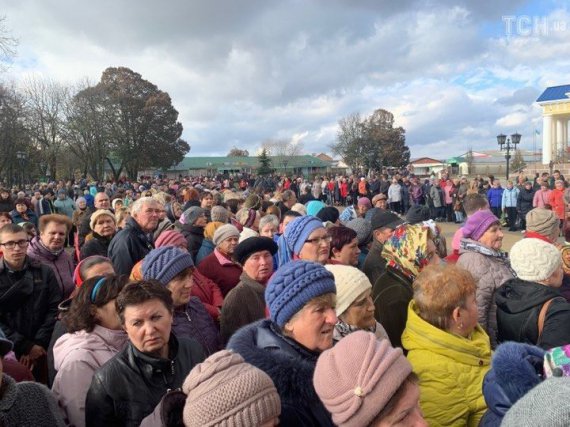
{"type": "Point", "coordinates": [190, 215]}
{"type": "Point", "coordinates": [225, 390]}
{"type": "Point", "coordinates": [363, 230]}
{"type": "Point", "coordinates": [225, 232]}
{"type": "Point", "coordinates": [547, 404]}
{"type": "Point", "coordinates": [542, 221]}
{"type": "Point", "coordinates": [220, 214]}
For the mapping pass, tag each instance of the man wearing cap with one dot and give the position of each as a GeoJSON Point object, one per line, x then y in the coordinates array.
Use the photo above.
{"type": "Point", "coordinates": [134, 242]}
{"type": "Point", "coordinates": [245, 303]}
{"type": "Point", "coordinates": [219, 265]}
{"type": "Point", "coordinates": [380, 201]}
{"type": "Point", "coordinates": [383, 225]}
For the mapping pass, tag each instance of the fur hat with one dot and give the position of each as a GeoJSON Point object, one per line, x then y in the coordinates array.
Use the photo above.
{"type": "Point", "coordinates": [534, 260]}
{"type": "Point", "coordinates": [350, 282]}
{"type": "Point", "coordinates": [252, 245]}
{"type": "Point", "coordinates": [165, 263]}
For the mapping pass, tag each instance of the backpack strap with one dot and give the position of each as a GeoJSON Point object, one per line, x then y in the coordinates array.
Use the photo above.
{"type": "Point", "coordinates": [542, 317]}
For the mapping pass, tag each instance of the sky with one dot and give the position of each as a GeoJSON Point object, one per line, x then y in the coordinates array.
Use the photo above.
{"type": "Point", "coordinates": [454, 73]}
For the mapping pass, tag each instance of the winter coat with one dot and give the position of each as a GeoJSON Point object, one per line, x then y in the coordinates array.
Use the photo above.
{"type": "Point", "coordinates": [524, 201]}
{"type": "Point", "coordinates": [17, 217]}
{"type": "Point", "coordinates": [28, 305]}
{"type": "Point", "coordinates": [436, 196]}
{"type": "Point", "coordinates": [557, 202]}
{"type": "Point", "coordinates": [374, 265]}
{"type": "Point", "coordinates": [45, 207]}
{"type": "Point", "coordinates": [541, 198]}
{"type": "Point", "coordinates": [451, 371]}
{"type": "Point", "coordinates": [392, 292]}
{"type": "Point", "coordinates": [77, 357]}
{"type": "Point", "coordinates": [6, 205]}
{"type": "Point", "coordinates": [194, 237]}
{"type": "Point", "coordinates": [65, 207]}
{"type": "Point", "coordinates": [225, 275]}
{"type": "Point", "coordinates": [495, 197]}
{"type": "Point", "coordinates": [206, 249]}
{"type": "Point", "coordinates": [510, 197]}
{"type": "Point", "coordinates": [129, 386]}
{"type": "Point", "coordinates": [195, 322]}
{"type": "Point", "coordinates": [128, 247]}
{"type": "Point", "coordinates": [490, 271]}
{"type": "Point", "coordinates": [243, 305]}
{"type": "Point", "coordinates": [394, 193]}
{"type": "Point", "coordinates": [28, 404]}
{"type": "Point", "coordinates": [208, 293]}
{"type": "Point", "coordinates": [60, 262]}
{"type": "Point", "coordinates": [290, 366]}
{"type": "Point", "coordinates": [518, 306]}
{"type": "Point", "coordinates": [98, 245]}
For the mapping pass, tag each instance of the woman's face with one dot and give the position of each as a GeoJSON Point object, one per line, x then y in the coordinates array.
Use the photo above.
{"type": "Point", "coordinates": [348, 254]}
{"type": "Point", "coordinates": [4, 221]}
{"type": "Point", "coordinates": [566, 257]}
{"type": "Point", "coordinates": [469, 316]}
{"type": "Point", "coordinates": [313, 326]}
{"type": "Point", "coordinates": [316, 247]}
{"type": "Point", "coordinates": [493, 237]}
{"type": "Point", "coordinates": [82, 204]}
{"type": "Point", "coordinates": [54, 235]}
{"type": "Point", "coordinates": [101, 269]}
{"type": "Point", "coordinates": [176, 210]}
{"type": "Point", "coordinates": [201, 221]}
{"type": "Point", "coordinates": [268, 230]}
{"type": "Point", "coordinates": [148, 326]}
{"type": "Point", "coordinates": [21, 208]}
{"type": "Point", "coordinates": [406, 412]}
{"type": "Point", "coordinates": [206, 202]}
{"type": "Point", "coordinates": [181, 288]}
{"type": "Point", "coordinates": [105, 226]}
{"type": "Point", "coordinates": [107, 316]}
{"type": "Point", "coordinates": [361, 312]}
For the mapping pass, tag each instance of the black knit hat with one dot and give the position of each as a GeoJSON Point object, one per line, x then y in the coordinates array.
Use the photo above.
{"type": "Point", "coordinates": [252, 245]}
{"type": "Point", "coordinates": [328, 213]}
{"type": "Point", "coordinates": [417, 214]}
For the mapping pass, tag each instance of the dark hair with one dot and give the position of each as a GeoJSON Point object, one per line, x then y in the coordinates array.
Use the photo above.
{"type": "Point", "coordinates": [91, 261]}
{"type": "Point", "coordinates": [265, 204]}
{"type": "Point", "coordinates": [206, 194]}
{"type": "Point", "coordinates": [57, 218]}
{"type": "Point", "coordinates": [94, 293]}
{"type": "Point", "coordinates": [12, 229]}
{"type": "Point", "coordinates": [294, 214]}
{"type": "Point", "coordinates": [6, 215]}
{"type": "Point", "coordinates": [232, 205]}
{"type": "Point", "coordinates": [138, 292]}
{"type": "Point", "coordinates": [287, 195]}
{"type": "Point", "coordinates": [386, 411]}
{"type": "Point", "coordinates": [474, 202]}
{"type": "Point", "coordinates": [341, 236]}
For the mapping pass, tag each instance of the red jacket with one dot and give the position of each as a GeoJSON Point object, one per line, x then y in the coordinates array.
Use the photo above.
{"type": "Point", "coordinates": [225, 276]}
{"type": "Point", "coordinates": [209, 293]}
{"type": "Point", "coordinates": [557, 202]}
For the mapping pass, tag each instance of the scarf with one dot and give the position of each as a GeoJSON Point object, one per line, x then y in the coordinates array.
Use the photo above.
{"type": "Point", "coordinates": [342, 329]}
{"type": "Point", "coordinates": [469, 245]}
{"type": "Point", "coordinates": [406, 251]}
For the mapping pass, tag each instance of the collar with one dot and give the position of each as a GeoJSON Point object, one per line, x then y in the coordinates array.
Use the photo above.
{"type": "Point", "coordinates": [222, 259]}
{"type": "Point", "coordinates": [534, 235]}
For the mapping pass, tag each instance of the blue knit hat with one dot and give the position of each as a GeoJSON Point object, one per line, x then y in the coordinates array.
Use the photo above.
{"type": "Point", "coordinates": [294, 285]}
{"type": "Point", "coordinates": [299, 230]}
{"type": "Point", "coordinates": [165, 263]}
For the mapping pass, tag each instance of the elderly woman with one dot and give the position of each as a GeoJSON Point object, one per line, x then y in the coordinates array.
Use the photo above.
{"type": "Point", "coordinates": [407, 252]}
{"type": "Point", "coordinates": [48, 248]}
{"type": "Point", "coordinates": [354, 305]}
{"type": "Point", "coordinates": [191, 224]}
{"type": "Point", "coordinates": [448, 350]}
{"type": "Point", "coordinates": [249, 220]}
{"type": "Point", "coordinates": [344, 246]}
{"type": "Point", "coordinates": [23, 212]}
{"type": "Point", "coordinates": [208, 243]}
{"type": "Point", "coordinates": [103, 228]}
{"type": "Point", "coordinates": [480, 254]}
{"type": "Point", "coordinates": [530, 308]}
{"type": "Point", "coordinates": [131, 384]}
{"type": "Point", "coordinates": [268, 226]}
{"type": "Point", "coordinates": [301, 298]}
{"type": "Point", "coordinates": [307, 239]}
{"type": "Point", "coordinates": [94, 335]}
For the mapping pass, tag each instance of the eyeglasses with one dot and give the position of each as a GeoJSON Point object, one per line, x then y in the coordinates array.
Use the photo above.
{"type": "Point", "coordinates": [11, 244]}
{"type": "Point", "coordinates": [319, 240]}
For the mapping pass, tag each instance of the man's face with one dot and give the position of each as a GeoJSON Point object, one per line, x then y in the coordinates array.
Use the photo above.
{"type": "Point", "coordinates": [14, 246]}
{"type": "Point", "coordinates": [102, 201]}
{"type": "Point", "coordinates": [148, 216]}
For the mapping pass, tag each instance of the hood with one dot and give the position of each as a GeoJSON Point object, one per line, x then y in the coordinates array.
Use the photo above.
{"type": "Point", "coordinates": [420, 335]}
{"type": "Point", "coordinates": [516, 295]}
{"type": "Point", "coordinates": [101, 340]}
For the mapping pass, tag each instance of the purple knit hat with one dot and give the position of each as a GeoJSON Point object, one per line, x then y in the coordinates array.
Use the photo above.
{"type": "Point", "coordinates": [478, 223]}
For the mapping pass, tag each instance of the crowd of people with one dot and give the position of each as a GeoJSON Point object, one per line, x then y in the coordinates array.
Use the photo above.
{"type": "Point", "coordinates": [282, 301]}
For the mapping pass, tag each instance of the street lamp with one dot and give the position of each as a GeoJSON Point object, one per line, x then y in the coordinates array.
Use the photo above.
{"type": "Point", "coordinates": [21, 156]}
{"type": "Point", "coordinates": [508, 144]}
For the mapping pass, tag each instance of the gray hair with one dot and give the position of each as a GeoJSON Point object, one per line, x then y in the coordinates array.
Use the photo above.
{"type": "Point", "coordinates": [268, 219]}
{"type": "Point", "coordinates": [139, 203]}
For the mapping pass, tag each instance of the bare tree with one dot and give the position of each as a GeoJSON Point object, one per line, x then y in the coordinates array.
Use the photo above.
{"type": "Point", "coordinates": [282, 151]}
{"type": "Point", "coordinates": [7, 45]}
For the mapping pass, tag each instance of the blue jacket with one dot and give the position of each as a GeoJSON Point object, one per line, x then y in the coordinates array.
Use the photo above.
{"type": "Point", "coordinates": [495, 196]}
{"type": "Point", "coordinates": [206, 249]}
{"type": "Point", "coordinates": [509, 199]}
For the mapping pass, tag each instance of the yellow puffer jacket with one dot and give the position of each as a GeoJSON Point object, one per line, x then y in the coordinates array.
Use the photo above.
{"type": "Point", "coordinates": [451, 370]}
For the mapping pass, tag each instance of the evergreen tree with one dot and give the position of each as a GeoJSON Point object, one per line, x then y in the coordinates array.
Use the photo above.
{"type": "Point", "coordinates": [264, 164]}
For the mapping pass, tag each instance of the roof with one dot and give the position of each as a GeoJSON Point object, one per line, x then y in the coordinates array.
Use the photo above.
{"type": "Point", "coordinates": [222, 163]}
{"type": "Point", "coordinates": [325, 157]}
{"type": "Point", "coordinates": [555, 93]}
{"type": "Point", "coordinates": [425, 161]}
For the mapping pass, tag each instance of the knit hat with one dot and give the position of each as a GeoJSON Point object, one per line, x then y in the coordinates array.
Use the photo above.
{"type": "Point", "coordinates": [253, 201]}
{"type": "Point", "coordinates": [377, 197]}
{"type": "Point", "coordinates": [350, 283]}
{"type": "Point", "coordinates": [225, 232]}
{"type": "Point", "coordinates": [246, 233]}
{"type": "Point", "coordinates": [417, 213]}
{"type": "Point", "coordinates": [220, 214]}
{"type": "Point", "coordinates": [385, 219]}
{"type": "Point", "coordinates": [294, 285]}
{"type": "Point", "coordinates": [210, 229]}
{"type": "Point", "coordinates": [478, 223]}
{"type": "Point", "coordinates": [190, 215]}
{"type": "Point", "coordinates": [358, 376]}
{"type": "Point", "coordinates": [300, 208]}
{"type": "Point", "coordinates": [328, 213]}
{"type": "Point", "coordinates": [170, 238]}
{"type": "Point", "coordinates": [299, 230]}
{"type": "Point", "coordinates": [5, 344]}
{"type": "Point", "coordinates": [546, 404]}
{"type": "Point", "coordinates": [252, 245]}
{"type": "Point", "coordinates": [542, 221]}
{"type": "Point", "coordinates": [99, 213]}
{"type": "Point", "coordinates": [225, 390]}
{"type": "Point", "coordinates": [534, 260]}
{"type": "Point", "coordinates": [363, 230]}
{"type": "Point", "coordinates": [314, 207]}
{"type": "Point", "coordinates": [114, 203]}
{"type": "Point", "coordinates": [165, 263]}
{"type": "Point", "coordinates": [364, 201]}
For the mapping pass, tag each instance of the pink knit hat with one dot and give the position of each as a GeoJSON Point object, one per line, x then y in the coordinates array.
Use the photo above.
{"type": "Point", "coordinates": [170, 238]}
{"type": "Point", "coordinates": [358, 377]}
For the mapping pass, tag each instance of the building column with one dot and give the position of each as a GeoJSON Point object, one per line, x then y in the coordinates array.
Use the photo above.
{"type": "Point", "coordinates": [565, 136]}
{"type": "Point", "coordinates": [559, 139]}
{"type": "Point", "coordinates": [546, 139]}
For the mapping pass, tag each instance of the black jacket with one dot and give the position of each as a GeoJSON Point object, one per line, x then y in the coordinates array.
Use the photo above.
{"type": "Point", "coordinates": [194, 237]}
{"type": "Point", "coordinates": [28, 305]}
{"type": "Point", "coordinates": [128, 247]}
{"type": "Point", "coordinates": [129, 386]}
{"type": "Point", "coordinates": [98, 245]}
{"type": "Point", "coordinates": [291, 368]}
{"type": "Point", "coordinates": [518, 306]}
{"type": "Point", "coordinates": [374, 265]}
{"type": "Point", "coordinates": [524, 201]}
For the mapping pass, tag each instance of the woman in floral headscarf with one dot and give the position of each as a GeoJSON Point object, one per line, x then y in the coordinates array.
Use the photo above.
{"type": "Point", "coordinates": [407, 252]}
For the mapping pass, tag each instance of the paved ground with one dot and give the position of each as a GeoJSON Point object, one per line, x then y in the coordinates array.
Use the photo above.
{"type": "Point", "coordinates": [448, 229]}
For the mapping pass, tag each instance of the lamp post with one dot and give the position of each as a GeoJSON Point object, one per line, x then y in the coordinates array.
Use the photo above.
{"type": "Point", "coordinates": [508, 144]}
{"type": "Point", "coordinates": [21, 156]}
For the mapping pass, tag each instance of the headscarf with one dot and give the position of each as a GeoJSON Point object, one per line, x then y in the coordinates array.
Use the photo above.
{"type": "Point", "coordinates": [406, 250]}
{"type": "Point", "coordinates": [565, 266]}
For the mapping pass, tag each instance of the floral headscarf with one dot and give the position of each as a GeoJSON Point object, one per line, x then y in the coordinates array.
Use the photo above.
{"type": "Point", "coordinates": [565, 265]}
{"type": "Point", "coordinates": [406, 251]}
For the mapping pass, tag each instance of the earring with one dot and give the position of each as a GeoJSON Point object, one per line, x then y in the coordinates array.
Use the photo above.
{"type": "Point", "coordinates": [460, 325]}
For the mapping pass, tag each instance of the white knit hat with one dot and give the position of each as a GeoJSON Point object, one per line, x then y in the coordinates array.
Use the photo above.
{"type": "Point", "coordinates": [350, 283]}
{"type": "Point", "coordinates": [534, 260]}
